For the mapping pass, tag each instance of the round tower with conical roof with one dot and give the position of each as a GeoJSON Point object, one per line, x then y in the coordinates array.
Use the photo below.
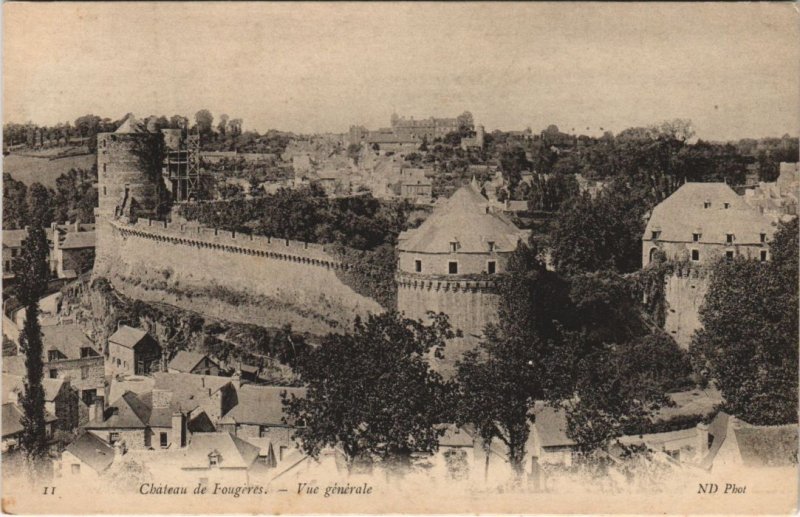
{"type": "Point", "coordinates": [449, 264]}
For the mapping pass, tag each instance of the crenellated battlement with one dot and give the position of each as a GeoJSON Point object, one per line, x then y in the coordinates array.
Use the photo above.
{"type": "Point", "coordinates": [197, 236]}
{"type": "Point", "coordinates": [439, 283]}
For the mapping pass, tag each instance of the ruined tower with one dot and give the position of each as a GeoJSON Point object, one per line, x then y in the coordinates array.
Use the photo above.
{"type": "Point", "coordinates": [449, 263]}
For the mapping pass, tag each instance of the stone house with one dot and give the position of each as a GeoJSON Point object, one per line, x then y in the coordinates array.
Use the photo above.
{"type": "Point", "coordinates": [12, 425]}
{"type": "Point", "coordinates": [701, 222]}
{"type": "Point", "coordinates": [220, 457]}
{"type": "Point", "coordinates": [60, 399]}
{"type": "Point", "coordinates": [87, 458]}
{"type": "Point", "coordinates": [132, 351]}
{"type": "Point", "coordinates": [193, 362]}
{"type": "Point", "coordinates": [259, 414]}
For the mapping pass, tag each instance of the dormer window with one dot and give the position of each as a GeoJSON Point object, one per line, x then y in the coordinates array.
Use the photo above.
{"type": "Point", "coordinates": [763, 237]}
{"type": "Point", "coordinates": [213, 459]}
{"type": "Point", "coordinates": [491, 246]}
{"type": "Point", "coordinates": [454, 246]}
{"type": "Point", "coordinates": [656, 234]}
{"type": "Point", "coordinates": [696, 237]}
{"type": "Point", "coordinates": [707, 204]}
{"type": "Point", "coordinates": [726, 205]}
{"type": "Point", "coordinates": [729, 238]}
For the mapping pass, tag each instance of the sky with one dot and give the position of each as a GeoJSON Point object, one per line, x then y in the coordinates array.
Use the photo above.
{"type": "Point", "coordinates": [733, 69]}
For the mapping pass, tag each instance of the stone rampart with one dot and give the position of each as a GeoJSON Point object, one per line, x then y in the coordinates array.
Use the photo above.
{"type": "Point", "coordinates": [685, 292]}
{"type": "Point", "coordinates": [271, 281]}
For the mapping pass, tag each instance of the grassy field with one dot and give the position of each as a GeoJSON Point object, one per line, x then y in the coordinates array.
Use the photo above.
{"type": "Point", "coordinates": [28, 169]}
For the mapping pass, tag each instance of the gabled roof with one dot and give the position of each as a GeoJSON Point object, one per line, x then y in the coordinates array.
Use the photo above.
{"type": "Point", "coordinates": [67, 339]}
{"type": "Point", "coordinates": [187, 392]}
{"type": "Point", "coordinates": [78, 240]}
{"type": "Point", "coordinates": [683, 213]}
{"type": "Point", "coordinates": [233, 452]}
{"type": "Point", "coordinates": [12, 419]}
{"type": "Point", "coordinates": [185, 361]}
{"type": "Point", "coordinates": [127, 412]}
{"type": "Point", "coordinates": [465, 218]}
{"type": "Point", "coordinates": [92, 451]}
{"type": "Point", "coordinates": [551, 426]}
{"type": "Point", "coordinates": [127, 336]}
{"type": "Point", "coordinates": [16, 383]}
{"type": "Point", "coordinates": [261, 405]}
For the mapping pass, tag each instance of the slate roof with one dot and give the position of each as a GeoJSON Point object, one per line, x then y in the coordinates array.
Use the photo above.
{"type": "Point", "coordinates": [127, 412]}
{"type": "Point", "coordinates": [683, 213]}
{"type": "Point", "coordinates": [189, 391]}
{"type": "Point", "coordinates": [261, 405]}
{"type": "Point", "coordinates": [78, 240]}
{"type": "Point", "coordinates": [467, 219]}
{"type": "Point", "coordinates": [67, 339]}
{"type": "Point", "coordinates": [551, 426]}
{"type": "Point", "coordinates": [13, 364]}
{"type": "Point", "coordinates": [233, 452]}
{"type": "Point", "coordinates": [16, 383]}
{"type": "Point", "coordinates": [127, 336]}
{"type": "Point", "coordinates": [92, 451]}
{"type": "Point", "coordinates": [14, 238]}
{"type": "Point", "coordinates": [185, 361]}
{"type": "Point", "coordinates": [12, 419]}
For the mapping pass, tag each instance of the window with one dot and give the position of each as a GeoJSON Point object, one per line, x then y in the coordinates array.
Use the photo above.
{"type": "Point", "coordinates": [213, 459]}
{"type": "Point", "coordinates": [707, 204]}
{"type": "Point", "coordinates": [113, 438]}
{"type": "Point", "coordinates": [14, 252]}
{"type": "Point", "coordinates": [104, 191]}
{"type": "Point", "coordinates": [418, 266]}
{"type": "Point", "coordinates": [52, 355]}
{"type": "Point", "coordinates": [75, 468]}
{"type": "Point", "coordinates": [763, 255]}
{"type": "Point", "coordinates": [695, 255]}
{"type": "Point", "coordinates": [726, 205]}
{"type": "Point", "coordinates": [163, 440]}
{"type": "Point", "coordinates": [696, 237]}
{"type": "Point", "coordinates": [491, 245]}
{"type": "Point", "coordinates": [763, 237]}
{"type": "Point", "coordinates": [54, 374]}
{"type": "Point", "coordinates": [452, 268]}
{"type": "Point", "coordinates": [729, 238]}
{"type": "Point", "coordinates": [104, 167]}
{"type": "Point", "coordinates": [453, 247]}
{"type": "Point", "coordinates": [656, 234]}
{"type": "Point", "coordinates": [729, 255]}
{"type": "Point", "coordinates": [491, 267]}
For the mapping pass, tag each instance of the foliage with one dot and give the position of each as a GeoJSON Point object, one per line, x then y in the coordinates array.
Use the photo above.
{"type": "Point", "coordinates": [15, 206]}
{"type": "Point", "coordinates": [372, 392]}
{"type": "Point", "coordinates": [548, 193]}
{"type": "Point", "coordinates": [748, 342]}
{"type": "Point", "coordinates": [371, 273]}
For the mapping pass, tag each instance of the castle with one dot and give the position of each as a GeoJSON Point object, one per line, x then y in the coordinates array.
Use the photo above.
{"type": "Point", "coordinates": [446, 265]}
{"type": "Point", "coordinates": [695, 226]}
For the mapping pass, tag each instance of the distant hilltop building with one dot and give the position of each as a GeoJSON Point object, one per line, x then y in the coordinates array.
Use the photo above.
{"type": "Point", "coordinates": [407, 134]}
{"type": "Point", "coordinates": [448, 263]}
{"type": "Point", "coordinates": [428, 128]}
{"type": "Point", "coordinates": [697, 225]}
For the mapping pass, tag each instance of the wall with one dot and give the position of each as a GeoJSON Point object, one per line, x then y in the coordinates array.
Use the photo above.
{"type": "Point", "coordinates": [709, 252]}
{"type": "Point", "coordinates": [192, 262]}
{"type": "Point", "coordinates": [470, 304]}
{"type": "Point", "coordinates": [133, 438]}
{"type": "Point", "coordinates": [685, 292]}
{"type": "Point", "coordinates": [437, 263]}
{"type": "Point", "coordinates": [118, 166]}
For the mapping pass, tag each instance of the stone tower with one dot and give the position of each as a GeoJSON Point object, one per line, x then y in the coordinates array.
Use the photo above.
{"type": "Point", "coordinates": [129, 171]}
{"type": "Point", "coordinates": [449, 263]}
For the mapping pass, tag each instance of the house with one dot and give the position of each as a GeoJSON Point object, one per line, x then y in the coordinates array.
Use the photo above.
{"type": "Point", "coordinates": [195, 394]}
{"type": "Point", "coordinates": [60, 398]}
{"type": "Point", "coordinates": [683, 445]}
{"type": "Point", "coordinates": [701, 222]}
{"type": "Point", "coordinates": [213, 457]}
{"type": "Point", "coordinates": [12, 425]}
{"type": "Point", "coordinates": [132, 351]}
{"type": "Point", "coordinates": [415, 183]}
{"type": "Point", "coordinates": [549, 441]}
{"type": "Point", "coordinates": [248, 372]}
{"type": "Point", "coordinates": [259, 413]}
{"type": "Point", "coordinates": [87, 458]}
{"type": "Point", "coordinates": [80, 242]}
{"type": "Point", "coordinates": [193, 362]}
{"type": "Point", "coordinates": [123, 421]}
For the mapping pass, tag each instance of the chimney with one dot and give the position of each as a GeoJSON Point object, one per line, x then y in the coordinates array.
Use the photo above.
{"type": "Point", "coordinates": [702, 440]}
{"type": "Point", "coordinates": [236, 380]}
{"type": "Point", "coordinates": [178, 429]}
{"type": "Point", "coordinates": [98, 409]}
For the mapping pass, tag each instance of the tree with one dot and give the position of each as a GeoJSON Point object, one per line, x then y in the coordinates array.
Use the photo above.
{"type": "Point", "coordinates": [748, 343]}
{"type": "Point", "coordinates": [465, 122]}
{"type": "Point", "coordinates": [512, 162]}
{"type": "Point", "coordinates": [204, 120]}
{"type": "Point", "coordinates": [15, 205]}
{"type": "Point", "coordinates": [222, 127]}
{"type": "Point", "coordinates": [372, 391]}
{"type": "Point", "coordinates": [32, 274]}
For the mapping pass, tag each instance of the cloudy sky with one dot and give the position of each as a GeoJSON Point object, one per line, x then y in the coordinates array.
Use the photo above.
{"type": "Point", "coordinates": [733, 69]}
